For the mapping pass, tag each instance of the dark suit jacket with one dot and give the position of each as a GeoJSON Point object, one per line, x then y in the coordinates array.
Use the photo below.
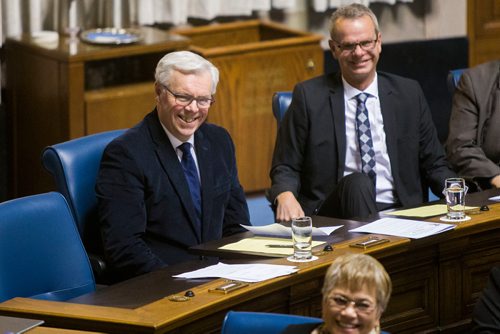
{"type": "Point", "coordinates": [486, 315]}
{"type": "Point", "coordinates": [145, 208]}
{"type": "Point", "coordinates": [310, 148]}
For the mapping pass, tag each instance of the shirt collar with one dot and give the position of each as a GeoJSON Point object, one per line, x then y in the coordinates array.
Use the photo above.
{"type": "Point", "coordinates": [173, 140]}
{"type": "Point", "coordinates": [350, 92]}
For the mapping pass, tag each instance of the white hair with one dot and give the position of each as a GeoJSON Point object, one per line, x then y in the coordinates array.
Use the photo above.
{"type": "Point", "coordinates": [185, 62]}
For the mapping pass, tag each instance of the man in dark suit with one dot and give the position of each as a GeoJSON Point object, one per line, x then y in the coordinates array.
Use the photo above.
{"type": "Point", "coordinates": [317, 166]}
{"type": "Point", "coordinates": [171, 181]}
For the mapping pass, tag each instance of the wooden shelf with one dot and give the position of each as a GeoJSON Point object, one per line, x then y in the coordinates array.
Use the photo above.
{"type": "Point", "coordinates": [67, 89]}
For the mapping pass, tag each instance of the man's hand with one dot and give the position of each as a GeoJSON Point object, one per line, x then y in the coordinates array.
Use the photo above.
{"type": "Point", "coordinates": [495, 182]}
{"type": "Point", "coordinates": [287, 207]}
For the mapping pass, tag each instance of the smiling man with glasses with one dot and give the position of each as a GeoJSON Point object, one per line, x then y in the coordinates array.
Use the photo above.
{"type": "Point", "coordinates": [359, 141]}
{"type": "Point", "coordinates": [170, 182]}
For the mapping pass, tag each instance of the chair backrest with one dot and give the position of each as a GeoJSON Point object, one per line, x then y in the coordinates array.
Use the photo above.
{"type": "Point", "coordinates": [453, 79]}
{"type": "Point", "coordinates": [74, 165]}
{"type": "Point", "coordinates": [41, 253]}
{"type": "Point", "coordinates": [261, 322]}
{"type": "Point", "coordinates": [281, 102]}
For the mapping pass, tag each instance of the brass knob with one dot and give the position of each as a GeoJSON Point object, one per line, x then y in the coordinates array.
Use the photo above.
{"type": "Point", "coordinates": [310, 65]}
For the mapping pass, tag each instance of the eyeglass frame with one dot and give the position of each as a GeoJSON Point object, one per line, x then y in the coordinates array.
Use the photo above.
{"type": "Point", "coordinates": [351, 47]}
{"type": "Point", "coordinates": [348, 302]}
{"type": "Point", "coordinates": [189, 98]}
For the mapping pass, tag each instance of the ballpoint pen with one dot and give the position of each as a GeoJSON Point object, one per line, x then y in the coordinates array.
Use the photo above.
{"type": "Point", "coordinates": [279, 246]}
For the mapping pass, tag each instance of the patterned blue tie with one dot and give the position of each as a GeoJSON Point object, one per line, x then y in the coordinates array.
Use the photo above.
{"type": "Point", "coordinates": [365, 138]}
{"type": "Point", "coordinates": [191, 173]}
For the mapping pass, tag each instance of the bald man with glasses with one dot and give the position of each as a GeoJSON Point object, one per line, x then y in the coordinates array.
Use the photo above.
{"type": "Point", "coordinates": [170, 182]}
{"type": "Point", "coordinates": [359, 141]}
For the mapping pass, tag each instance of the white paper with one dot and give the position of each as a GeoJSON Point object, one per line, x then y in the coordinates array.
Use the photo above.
{"type": "Point", "coordinates": [278, 230]}
{"type": "Point", "coordinates": [406, 228]}
{"type": "Point", "coordinates": [495, 198]}
{"type": "Point", "coordinates": [241, 272]}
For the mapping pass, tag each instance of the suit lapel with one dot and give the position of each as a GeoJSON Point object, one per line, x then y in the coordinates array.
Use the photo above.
{"type": "Point", "coordinates": [169, 160]}
{"type": "Point", "coordinates": [389, 107]}
{"type": "Point", "coordinates": [338, 113]}
{"type": "Point", "coordinates": [205, 166]}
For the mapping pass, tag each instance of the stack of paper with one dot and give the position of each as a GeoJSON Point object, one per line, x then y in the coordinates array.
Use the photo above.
{"type": "Point", "coordinates": [264, 245]}
{"type": "Point", "coordinates": [424, 211]}
{"type": "Point", "coordinates": [278, 230]}
{"type": "Point", "coordinates": [241, 272]}
{"type": "Point", "coordinates": [405, 228]}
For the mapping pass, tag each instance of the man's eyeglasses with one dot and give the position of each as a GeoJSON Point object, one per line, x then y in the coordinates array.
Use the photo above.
{"type": "Point", "coordinates": [341, 302]}
{"type": "Point", "coordinates": [185, 100]}
{"type": "Point", "coordinates": [350, 47]}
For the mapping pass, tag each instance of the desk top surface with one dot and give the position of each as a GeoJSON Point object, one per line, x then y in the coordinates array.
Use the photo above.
{"type": "Point", "coordinates": [142, 301]}
{"type": "Point", "coordinates": [73, 50]}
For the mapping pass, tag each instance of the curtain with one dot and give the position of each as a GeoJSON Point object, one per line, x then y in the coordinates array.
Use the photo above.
{"type": "Point", "coordinates": [31, 16]}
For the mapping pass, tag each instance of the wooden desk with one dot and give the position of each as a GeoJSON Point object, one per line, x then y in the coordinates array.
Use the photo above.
{"type": "Point", "coordinates": [50, 330]}
{"type": "Point", "coordinates": [436, 282]}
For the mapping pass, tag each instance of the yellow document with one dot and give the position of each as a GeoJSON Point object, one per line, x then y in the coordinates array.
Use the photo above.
{"type": "Point", "coordinates": [424, 211]}
{"type": "Point", "coordinates": [275, 246]}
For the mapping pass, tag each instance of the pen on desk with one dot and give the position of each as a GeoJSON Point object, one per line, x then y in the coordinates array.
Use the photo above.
{"type": "Point", "coordinates": [279, 246]}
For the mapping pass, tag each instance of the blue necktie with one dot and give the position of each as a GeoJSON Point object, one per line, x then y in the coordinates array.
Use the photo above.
{"type": "Point", "coordinates": [191, 173]}
{"type": "Point", "coordinates": [365, 138]}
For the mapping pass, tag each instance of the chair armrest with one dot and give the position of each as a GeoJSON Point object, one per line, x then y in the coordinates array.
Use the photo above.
{"type": "Point", "coordinates": [98, 265]}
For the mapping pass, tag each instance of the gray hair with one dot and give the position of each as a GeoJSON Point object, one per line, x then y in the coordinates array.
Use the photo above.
{"type": "Point", "coordinates": [185, 62]}
{"type": "Point", "coordinates": [353, 271]}
{"type": "Point", "coordinates": [352, 11]}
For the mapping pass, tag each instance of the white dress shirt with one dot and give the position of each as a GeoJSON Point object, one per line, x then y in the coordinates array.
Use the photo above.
{"type": "Point", "coordinates": [176, 143]}
{"type": "Point", "coordinates": [385, 181]}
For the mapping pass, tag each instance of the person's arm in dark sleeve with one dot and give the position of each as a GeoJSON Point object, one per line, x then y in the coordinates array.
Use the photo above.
{"type": "Point", "coordinates": [122, 213]}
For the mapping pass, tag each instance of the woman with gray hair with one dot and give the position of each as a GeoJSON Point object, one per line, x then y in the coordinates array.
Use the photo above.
{"type": "Point", "coordinates": [356, 292]}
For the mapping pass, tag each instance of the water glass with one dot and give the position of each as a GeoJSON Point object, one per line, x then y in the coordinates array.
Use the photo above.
{"type": "Point", "coordinates": [454, 192]}
{"type": "Point", "coordinates": [302, 238]}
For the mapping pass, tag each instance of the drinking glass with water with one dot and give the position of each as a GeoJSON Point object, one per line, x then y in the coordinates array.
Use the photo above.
{"type": "Point", "coordinates": [454, 192]}
{"type": "Point", "coordinates": [302, 238]}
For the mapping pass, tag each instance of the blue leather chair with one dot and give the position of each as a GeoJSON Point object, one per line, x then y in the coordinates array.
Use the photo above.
{"type": "Point", "coordinates": [268, 323]}
{"type": "Point", "coordinates": [280, 104]}
{"type": "Point", "coordinates": [453, 79]}
{"type": "Point", "coordinates": [261, 322]}
{"type": "Point", "coordinates": [74, 165]}
{"type": "Point", "coordinates": [41, 253]}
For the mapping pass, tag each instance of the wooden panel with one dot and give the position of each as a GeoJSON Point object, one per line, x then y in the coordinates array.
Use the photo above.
{"type": "Point", "coordinates": [33, 82]}
{"type": "Point", "coordinates": [483, 18]}
{"type": "Point", "coordinates": [465, 265]}
{"type": "Point", "coordinates": [223, 35]}
{"type": "Point", "coordinates": [306, 298]}
{"type": "Point", "coordinates": [243, 104]}
{"type": "Point", "coordinates": [414, 302]}
{"type": "Point", "coordinates": [118, 107]}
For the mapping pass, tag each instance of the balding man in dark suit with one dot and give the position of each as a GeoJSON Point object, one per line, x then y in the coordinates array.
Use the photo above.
{"type": "Point", "coordinates": [359, 141]}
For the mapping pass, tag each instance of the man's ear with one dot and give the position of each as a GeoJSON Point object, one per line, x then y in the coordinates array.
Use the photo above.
{"type": "Point", "coordinates": [331, 44]}
{"type": "Point", "coordinates": [157, 89]}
